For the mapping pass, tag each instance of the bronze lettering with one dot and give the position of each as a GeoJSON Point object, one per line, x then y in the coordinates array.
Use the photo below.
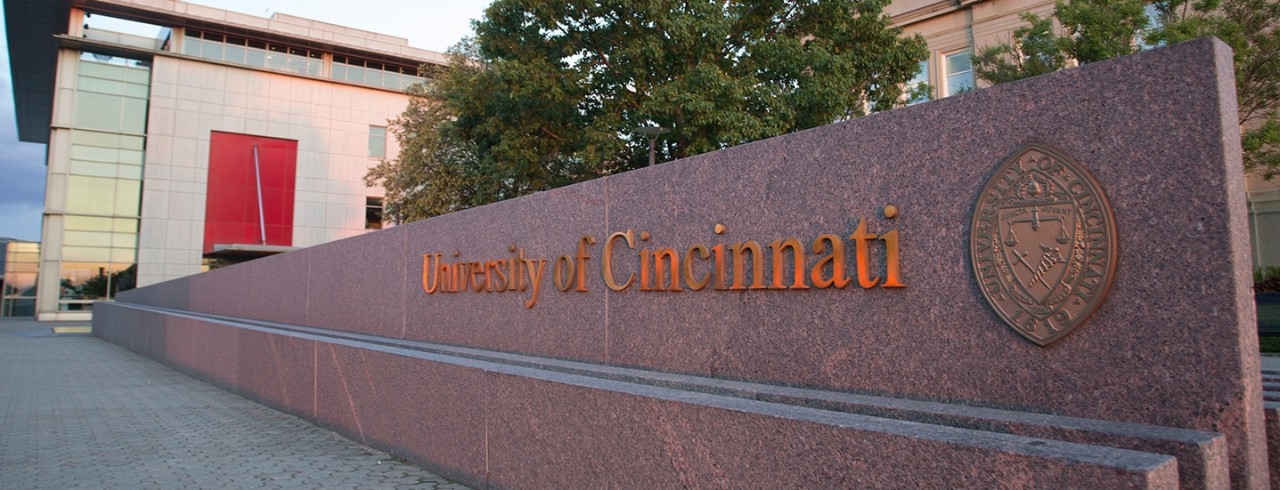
{"type": "Point", "coordinates": [836, 260]}
{"type": "Point", "coordinates": [536, 268]}
{"type": "Point", "coordinates": [892, 270]}
{"type": "Point", "coordinates": [606, 260]}
{"type": "Point", "coordinates": [488, 275]}
{"type": "Point", "coordinates": [477, 271]}
{"type": "Point", "coordinates": [522, 268]}
{"type": "Point", "coordinates": [661, 256]}
{"type": "Point", "coordinates": [797, 256]}
{"type": "Point", "coordinates": [426, 269]}
{"type": "Point", "coordinates": [564, 281]}
{"type": "Point", "coordinates": [459, 282]}
{"type": "Point", "coordinates": [645, 281]}
{"type": "Point", "coordinates": [582, 258]}
{"type": "Point", "coordinates": [515, 263]}
{"type": "Point", "coordinates": [861, 244]}
{"type": "Point", "coordinates": [696, 284]}
{"type": "Point", "coordinates": [739, 266]}
{"type": "Point", "coordinates": [718, 279]}
{"type": "Point", "coordinates": [661, 269]}
{"type": "Point", "coordinates": [499, 270]}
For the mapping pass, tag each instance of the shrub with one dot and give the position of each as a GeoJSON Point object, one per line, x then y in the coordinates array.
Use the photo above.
{"type": "Point", "coordinates": [1266, 279]}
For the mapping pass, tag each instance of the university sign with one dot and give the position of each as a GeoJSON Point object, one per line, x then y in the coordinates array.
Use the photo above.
{"type": "Point", "coordinates": [1043, 248]}
{"type": "Point", "coordinates": [720, 267]}
{"type": "Point", "coordinates": [1041, 284]}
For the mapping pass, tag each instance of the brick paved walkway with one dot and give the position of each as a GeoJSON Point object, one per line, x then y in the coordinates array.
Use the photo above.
{"type": "Point", "coordinates": [77, 412]}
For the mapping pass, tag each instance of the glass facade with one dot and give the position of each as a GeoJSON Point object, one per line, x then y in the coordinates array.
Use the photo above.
{"type": "Point", "coordinates": [252, 52]}
{"type": "Point", "coordinates": [99, 238]}
{"type": "Point", "coordinates": [373, 73]}
{"type": "Point", "coordinates": [21, 265]}
{"type": "Point", "coordinates": [306, 61]}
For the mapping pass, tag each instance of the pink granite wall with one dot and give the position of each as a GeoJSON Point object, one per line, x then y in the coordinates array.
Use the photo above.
{"type": "Point", "coordinates": [1172, 346]}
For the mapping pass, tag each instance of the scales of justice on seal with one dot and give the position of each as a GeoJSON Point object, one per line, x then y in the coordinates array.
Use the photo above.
{"type": "Point", "coordinates": [1043, 243]}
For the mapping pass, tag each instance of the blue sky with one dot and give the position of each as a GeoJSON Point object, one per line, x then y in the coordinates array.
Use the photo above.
{"type": "Point", "coordinates": [428, 25]}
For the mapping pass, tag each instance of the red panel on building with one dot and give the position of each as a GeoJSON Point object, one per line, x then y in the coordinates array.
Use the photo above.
{"type": "Point", "coordinates": [231, 206]}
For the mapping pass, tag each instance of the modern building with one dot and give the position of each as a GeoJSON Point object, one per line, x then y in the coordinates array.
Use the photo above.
{"type": "Point", "coordinates": [225, 137]}
{"type": "Point", "coordinates": [955, 30]}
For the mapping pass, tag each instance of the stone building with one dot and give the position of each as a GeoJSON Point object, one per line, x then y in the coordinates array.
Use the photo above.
{"type": "Point", "coordinates": [955, 29]}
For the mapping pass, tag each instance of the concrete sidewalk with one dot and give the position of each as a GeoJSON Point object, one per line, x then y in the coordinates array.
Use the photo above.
{"type": "Point", "coordinates": [77, 412]}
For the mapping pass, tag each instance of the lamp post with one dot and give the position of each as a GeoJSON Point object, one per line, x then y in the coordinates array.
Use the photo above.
{"type": "Point", "coordinates": [652, 133]}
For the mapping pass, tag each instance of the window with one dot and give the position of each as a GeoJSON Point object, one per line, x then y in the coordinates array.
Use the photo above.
{"type": "Point", "coordinates": [252, 52]}
{"type": "Point", "coordinates": [919, 83]}
{"type": "Point", "coordinates": [18, 278]}
{"type": "Point", "coordinates": [377, 142]}
{"type": "Point", "coordinates": [84, 282]}
{"type": "Point", "coordinates": [1154, 23]}
{"type": "Point", "coordinates": [373, 213]}
{"type": "Point", "coordinates": [959, 74]}
{"type": "Point", "coordinates": [373, 73]}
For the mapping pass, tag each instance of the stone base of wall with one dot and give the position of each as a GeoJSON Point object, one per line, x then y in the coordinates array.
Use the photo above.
{"type": "Point", "coordinates": [493, 419]}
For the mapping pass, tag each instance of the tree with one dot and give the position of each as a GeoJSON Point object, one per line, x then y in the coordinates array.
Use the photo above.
{"type": "Point", "coordinates": [1095, 30]}
{"type": "Point", "coordinates": [550, 92]}
{"type": "Point", "coordinates": [435, 173]}
{"type": "Point", "coordinates": [1036, 52]}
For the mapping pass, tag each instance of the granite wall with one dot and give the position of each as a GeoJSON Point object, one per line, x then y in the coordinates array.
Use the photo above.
{"type": "Point", "coordinates": [516, 383]}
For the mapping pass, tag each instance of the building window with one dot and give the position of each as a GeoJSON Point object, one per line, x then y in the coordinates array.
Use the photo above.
{"type": "Point", "coordinates": [377, 142]}
{"type": "Point", "coordinates": [916, 87]}
{"type": "Point", "coordinates": [373, 213]}
{"type": "Point", "coordinates": [18, 279]}
{"type": "Point", "coordinates": [252, 52]}
{"type": "Point", "coordinates": [959, 74]}
{"type": "Point", "coordinates": [278, 56]}
{"type": "Point", "coordinates": [1154, 23]}
{"type": "Point", "coordinates": [373, 73]}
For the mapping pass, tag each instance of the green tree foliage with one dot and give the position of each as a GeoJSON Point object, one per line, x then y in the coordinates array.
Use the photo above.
{"type": "Point", "coordinates": [1095, 30]}
{"type": "Point", "coordinates": [434, 173]}
{"type": "Point", "coordinates": [1250, 27]}
{"type": "Point", "coordinates": [1035, 53]}
{"type": "Point", "coordinates": [549, 92]}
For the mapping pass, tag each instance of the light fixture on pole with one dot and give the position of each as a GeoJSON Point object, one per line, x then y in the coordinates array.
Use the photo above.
{"type": "Point", "coordinates": [652, 133]}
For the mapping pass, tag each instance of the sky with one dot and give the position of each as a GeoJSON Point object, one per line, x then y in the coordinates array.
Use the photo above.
{"type": "Point", "coordinates": [434, 25]}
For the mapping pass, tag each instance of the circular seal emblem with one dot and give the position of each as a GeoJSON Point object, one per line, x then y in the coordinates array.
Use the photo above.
{"type": "Point", "coordinates": [1043, 243]}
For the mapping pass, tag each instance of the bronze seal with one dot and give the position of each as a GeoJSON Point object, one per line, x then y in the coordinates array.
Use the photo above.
{"type": "Point", "coordinates": [1043, 243]}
